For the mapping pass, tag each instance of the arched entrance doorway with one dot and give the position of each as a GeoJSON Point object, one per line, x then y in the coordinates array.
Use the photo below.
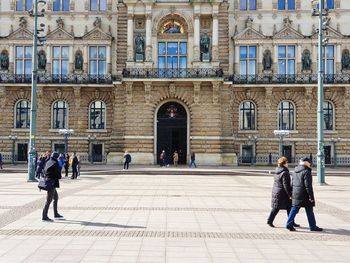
{"type": "Point", "coordinates": [172, 131]}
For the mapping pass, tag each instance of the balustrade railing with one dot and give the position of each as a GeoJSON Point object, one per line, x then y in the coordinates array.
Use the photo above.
{"type": "Point", "coordinates": [159, 73]}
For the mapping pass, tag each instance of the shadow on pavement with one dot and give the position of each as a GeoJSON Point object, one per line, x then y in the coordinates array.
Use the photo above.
{"type": "Point", "coordinates": [87, 223]}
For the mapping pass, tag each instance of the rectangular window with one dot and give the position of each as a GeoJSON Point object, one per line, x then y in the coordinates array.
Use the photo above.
{"type": "Point", "coordinates": [97, 60]}
{"type": "Point", "coordinates": [60, 61]}
{"type": "Point", "coordinates": [328, 60]}
{"type": "Point", "coordinates": [98, 5]}
{"type": "Point", "coordinates": [247, 57]}
{"type": "Point", "coordinates": [61, 5]}
{"type": "Point", "coordinates": [23, 60]}
{"type": "Point", "coordinates": [286, 60]}
{"type": "Point", "coordinates": [248, 5]}
{"type": "Point", "coordinates": [24, 5]}
{"type": "Point", "coordinates": [286, 4]}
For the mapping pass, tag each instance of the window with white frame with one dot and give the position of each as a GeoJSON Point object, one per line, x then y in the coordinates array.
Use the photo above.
{"type": "Point", "coordinates": [23, 60]}
{"type": "Point", "coordinates": [286, 60]}
{"type": "Point", "coordinates": [97, 60]}
{"type": "Point", "coordinates": [22, 114]}
{"type": "Point", "coordinates": [247, 5]}
{"type": "Point", "coordinates": [24, 5]}
{"type": "Point", "coordinates": [60, 60]}
{"type": "Point", "coordinates": [286, 115]}
{"type": "Point", "coordinates": [61, 5]}
{"type": "Point", "coordinates": [328, 113]}
{"type": "Point", "coordinates": [97, 115]}
{"type": "Point", "coordinates": [286, 4]}
{"type": "Point", "coordinates": [59, 114]}
{"type": "Point", "coordinates": [328, 52]}
{"type": "Point", "coordinates": [247, 60]}
{"type": "Point", "coordinates": [98, 5]}
{"type": "Point", "coordinates": [247, 115]}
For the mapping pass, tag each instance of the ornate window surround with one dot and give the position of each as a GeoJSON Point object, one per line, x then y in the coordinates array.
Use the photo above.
{"type": "Point", "coordinates": [66, 116]}
{"type": "Point", "coordinates": [294, 114]}
{"type": "Point", "coordinates": [104, 119]}
{"type": "Point", "coordinates": [252, 109]}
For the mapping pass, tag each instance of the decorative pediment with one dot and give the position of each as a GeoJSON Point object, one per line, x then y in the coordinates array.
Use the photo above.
{"type": "Point", "coordinates": [249, 33]}
{"type": "Point", "coordinates": [21, 34]}
{"type": "Point", "coordinates": [288, 33]}
{"type": "Point", "coordinates": [332, 33]}
{"type": "Point", "coordinates": [59, 33]}
{"type": "Point", "coordinates": [97, 34]}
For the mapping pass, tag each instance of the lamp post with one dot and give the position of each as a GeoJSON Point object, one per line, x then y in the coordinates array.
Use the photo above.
{"type": "Point", "coordinates": [13, 138]}
{"type": "Point", "coordinates": [280, 134]}
{"type": "Point", "coordinates": [90, 139]}
{"type": "Point", "coordinates": [32, 136]}
{"type": "Point", "coordinates": [323, 23]}
{"type": "Point", "coordinates": [252, 139]}
{"type": "Point", "coordinates": [66, 133]}
{"type": "Point", "coordinates": [334, 141]}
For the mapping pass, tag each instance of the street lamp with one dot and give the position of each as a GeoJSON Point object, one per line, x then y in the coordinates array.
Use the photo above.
{"type": "Point", "coordinates": [323, 24]}
{"type": "Point", "coordinates": [252, 139]}
{"type": "Point", "coordinates": [32, 137]}
{"type": "Point", "coordinates": [334, 141]}
{"type": "Point", "coordinates": [13, 138]}
{"type": "Point", "coordinates": [91, 138]}
{"type": "Point", "coordinates": [66, 133]}
{"type": "Point", "coordinates": [280, 134]}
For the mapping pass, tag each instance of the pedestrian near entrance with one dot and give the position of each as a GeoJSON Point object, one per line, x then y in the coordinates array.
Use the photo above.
{"type": "Point", "coordinates": [66, 164]}
{"type": "Point", "coordinates": [176, 158]}
{"type": "Point", "coordinates": [127, 160]}
{"type": "Point", "coordinates": [303, 195]}
{"type": "Point", "coordinates": [281, 191]}
{"type": "Point", "coordinates": [162, 158]}
{"type": "Point", "coordinates": [0, 161]}
{"type": "Point", "coordinates": [74, 167]}
{"type": "Point", "coordinates": [52, 171]}
{"type": "Point", "coordinates": [193, 160]}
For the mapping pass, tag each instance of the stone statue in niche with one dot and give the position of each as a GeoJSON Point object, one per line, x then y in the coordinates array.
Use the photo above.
{"type": "Point", "coordinates": [306, 60]}
{"type": "Point", "coordinates": [267, 61]}
{"type": "Point", "coordinates": [42, 60]}
{"type": "Point", "coordinates": [23, 22]}
{"type": "Point", "coordinates": [79, 61]}
{"type": "Point", "coordinates": [139, 48]}
{"type": "Point", "coordinates": [97, 22]}
{"type": "Point", "coordinates": [60, 22]}
{"type": "Point", "coordinates": [205, 47]}
{"type": "Point", "coordinates": [345, 60]}
{"type": "Point", "coordinates": [4, 61]}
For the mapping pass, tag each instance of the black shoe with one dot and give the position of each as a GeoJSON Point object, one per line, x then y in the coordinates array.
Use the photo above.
{"type": "Point", "coordinates": [47, 219]}
{"type": "Point", "coordinates": [58, 216]}
{"type": "Point", "coordinates": [296, 225]}
{"type": "Point", "coordinates": [291, 228]}
{"type": "Point", "coordinates": [270, 224]}
{"type": "Point", "coordinates": [317, 229]}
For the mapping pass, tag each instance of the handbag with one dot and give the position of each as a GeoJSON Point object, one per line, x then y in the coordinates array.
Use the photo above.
{"type": "Point", "coordinates": [46, 183]}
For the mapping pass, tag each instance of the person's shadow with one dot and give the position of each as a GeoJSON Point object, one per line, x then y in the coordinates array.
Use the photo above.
{"type": "Point", "coordinates": [328, 231]}
{"type": "Point", "coordinates": [97, 224]}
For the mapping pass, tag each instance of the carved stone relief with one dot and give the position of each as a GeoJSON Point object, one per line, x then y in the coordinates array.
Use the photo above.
{"type": "Point", "coordinates": [216, 92]}
{"type": "Point", "coordinates": [197, 90]}
{"type": "Point", "coordinates": [128, 87]}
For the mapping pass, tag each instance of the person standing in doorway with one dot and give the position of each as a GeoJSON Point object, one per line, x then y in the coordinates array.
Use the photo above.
{"type": "Point", "coordinates": [176, 158]}
{"type": "Point", "coordinates": [127, 160]}
{"type": "Point", "coordinates": [162, 158]}
{"type": "Point", "coordinates": [66, 164]}
{"type": "Point", "coordinates": [281, 191]}
{"type": "Point", "coordinates": [193, 160]}
{"type": "Point", "coordinates": [74, 167]}
{"type": "Point", "coordinates": [303, 195]}
{"type": "Point", "coordinates": [51, 171]}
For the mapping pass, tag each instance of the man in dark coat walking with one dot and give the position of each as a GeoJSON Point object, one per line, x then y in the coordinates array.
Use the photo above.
{"type": "Point", "coordinates": [52, 171]}
{"type": "Point", "coordinates": [74, 167]}
{"type": "Point", "coordinates": [303, 195]}
{"type": "Point", "coordinates": [127, 161]}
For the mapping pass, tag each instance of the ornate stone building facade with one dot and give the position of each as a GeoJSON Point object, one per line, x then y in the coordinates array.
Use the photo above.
{"type": "Point", "coordinates": [211, 77]}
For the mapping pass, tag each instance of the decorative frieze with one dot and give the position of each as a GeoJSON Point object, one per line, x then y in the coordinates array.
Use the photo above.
{"type": "Point", "coordinates": [216, 91]}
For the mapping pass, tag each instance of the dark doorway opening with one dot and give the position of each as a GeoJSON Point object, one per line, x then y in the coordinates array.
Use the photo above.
{"type": "Point", "coordinates": [247, 153]}
{"type": "Point", "coordinates": [59, 147]}
{"type": "Point", "coordinates": [172, 132]}
{"type": "Point", "coordinates": [22, 152]}
{"type": "Point", "coordinates": [287, 152]}
{"type": "Point", "coordinates": [328, 154]}
{"type": "Point", "coordinates": [97, 154]}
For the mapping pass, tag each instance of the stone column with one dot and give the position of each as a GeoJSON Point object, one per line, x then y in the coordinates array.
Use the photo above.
{"type": "Point", "coordinates": [197, 90]}
{"type": "Point", "coordinates": [215, 48]}
{"type": "Point", "coordinates": [148, 90]}
{"type": "Point", "coordinates": [196, 56]}
{"type": "Point", "coordinates": [149, 37]}
{"type": "Point", "coordinates": [130, 37]}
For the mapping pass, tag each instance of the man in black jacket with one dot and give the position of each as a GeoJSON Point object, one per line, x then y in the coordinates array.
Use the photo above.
{"type": "Point", "coordinates": [303, 195]}
{"type": "Point", "coordinates": [52, 171]}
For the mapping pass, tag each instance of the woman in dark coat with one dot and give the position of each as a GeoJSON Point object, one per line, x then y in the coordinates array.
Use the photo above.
{"type": "Point", "coordinates": [52, 171]}
{"type": "Point", "coordinates": [281, 191]}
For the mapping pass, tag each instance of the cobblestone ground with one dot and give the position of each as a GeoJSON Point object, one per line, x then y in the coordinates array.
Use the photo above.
{"type": "Point", "coordinates": [168, 218]}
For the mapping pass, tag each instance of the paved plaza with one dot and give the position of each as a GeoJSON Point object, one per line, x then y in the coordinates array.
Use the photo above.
{"type": "Point", "coordinates": [179, 217]}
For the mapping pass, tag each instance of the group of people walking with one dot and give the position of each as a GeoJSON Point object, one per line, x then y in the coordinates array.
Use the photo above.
{"type": "Point", "coordinates": [176, 156]}
{"type": "Point", "coordinates": [292, 194]}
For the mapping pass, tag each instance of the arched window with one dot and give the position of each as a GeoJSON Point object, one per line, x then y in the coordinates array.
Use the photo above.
{"type": "Point", "coordinates": [59, 113]}
{"type": "Point", "coordinates": [22, 114]}
{"type": "Point", "coordinates": [328, 111]}
{"type": "Point", "coordinates": [286, 116]}
{"type": "Point", "coordinates": [97, 115]}
{"type": "Point", "coordinates": [247, 115]}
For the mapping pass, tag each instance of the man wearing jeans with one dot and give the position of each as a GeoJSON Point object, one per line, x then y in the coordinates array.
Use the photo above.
{"type": "Point", "coordinates": [303, 195]}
